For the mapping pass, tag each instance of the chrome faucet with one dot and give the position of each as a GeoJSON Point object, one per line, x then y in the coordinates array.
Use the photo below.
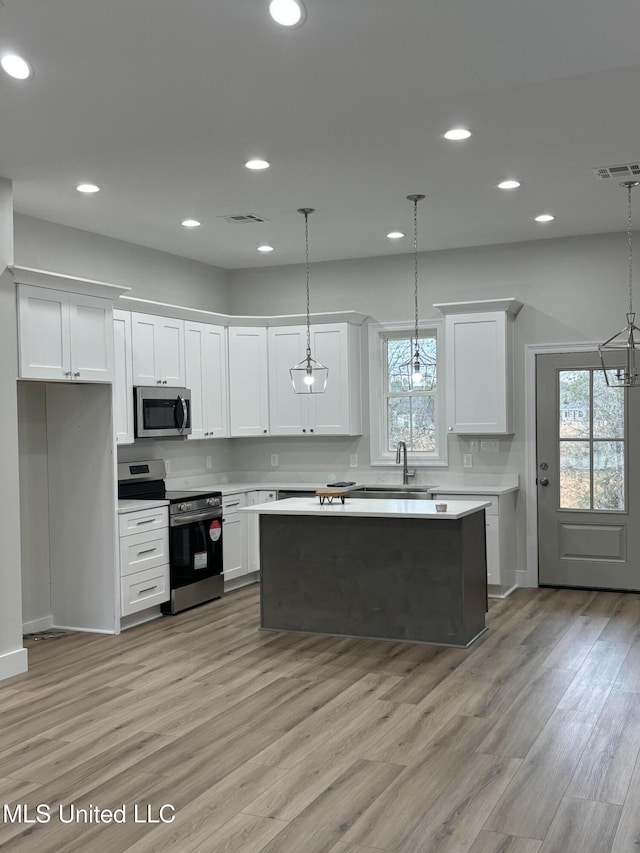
{"type": "Point", "coordinates": [406, 474]}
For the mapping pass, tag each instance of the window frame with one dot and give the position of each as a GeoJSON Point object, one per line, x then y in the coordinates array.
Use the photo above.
{"type": "Point", "coordinates": [379, 454]}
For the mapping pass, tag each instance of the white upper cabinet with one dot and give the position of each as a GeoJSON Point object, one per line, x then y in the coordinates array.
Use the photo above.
{"type": "Point", "coordinates": [248, 382]}
{"type": "Point", "coordinates": [206, 376]}
{"type": "Point", "coordinates": [337, 411]}
{"type": "Point", "coordinates": [123, 378]}
{"type": "Point", "coordinates": [479, 366]}
{"type": "Point", "coordinates": [65, 336]}
{"type": "Point", "coordinates": [158, 350]}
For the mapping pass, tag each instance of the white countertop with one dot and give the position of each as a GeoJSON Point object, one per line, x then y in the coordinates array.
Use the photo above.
{"type": "Point", "coordinates": [133, 505]}
{"type": "Point", "coordinates": [234, 488]}
{"type": "Point", "coordinates": [368, 507]}
{"type": "Point", "coordinates": [473, 490]}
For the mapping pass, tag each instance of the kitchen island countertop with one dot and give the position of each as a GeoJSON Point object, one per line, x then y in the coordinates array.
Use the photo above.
{"type": "Point", "coordinates": [369, 508]}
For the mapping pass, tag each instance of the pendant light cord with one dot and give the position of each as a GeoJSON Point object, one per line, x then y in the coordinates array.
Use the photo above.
{"type": "Point", "coordinates": [415, 199]}
{"type": "Point", "coordinates": [630, 243]}
{"type": "Point", "coordinates": [306, 244]}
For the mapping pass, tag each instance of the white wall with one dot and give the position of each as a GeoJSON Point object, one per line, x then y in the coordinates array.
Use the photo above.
{"type": "Point", "coordinates": [152, 274]}
{"type": "Point", "coordinates": [34, 507]}
{"type": "Point", "coordinates": [13, 658]}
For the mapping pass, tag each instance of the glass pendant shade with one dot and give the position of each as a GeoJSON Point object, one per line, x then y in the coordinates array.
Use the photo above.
{"type": "Point", "coordinates": [618, 354]}
{"type": "Point", "coordinates": [308, 376]}
{"type": "Point", "coordinates": [421, 366]}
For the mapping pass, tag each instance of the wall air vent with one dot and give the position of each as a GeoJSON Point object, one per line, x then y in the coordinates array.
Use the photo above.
{"type": "Point", "coordinates": [627, 171]}
{"type": "Point", "coordinates": [244, 219]}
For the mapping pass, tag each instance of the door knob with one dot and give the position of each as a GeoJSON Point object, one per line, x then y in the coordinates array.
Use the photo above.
{"type": "Point", "coordinates": [543, 481]}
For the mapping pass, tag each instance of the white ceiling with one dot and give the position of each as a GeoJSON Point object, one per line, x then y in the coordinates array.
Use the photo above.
{"type": "Point", "coordinates": [160, 103]}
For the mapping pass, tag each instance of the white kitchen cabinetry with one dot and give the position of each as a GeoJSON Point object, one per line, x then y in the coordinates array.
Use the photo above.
{"type": "Point", "coordinates": [144, 559]}
{"type": "Point", "coordinates": [337, 411]}
{"type": "Point", "coordinates": [158, 350]}
{"type": "Point", "coordinates": [479, 366]}
{"type": "Point", "coordinates": [64, 336]}
{"type": "Point", "coordinates": [234, 537]}
{"type": "Point", "coordinates": [500, 525]}
{"type": "Point", "coordinates": [123, 378]}
{"type": "Point", "coordinates": [253, 527]}
{"type": "Point", "coordinates": [248, 382]}
{"type": "Point", "coordinates": [206, 376]}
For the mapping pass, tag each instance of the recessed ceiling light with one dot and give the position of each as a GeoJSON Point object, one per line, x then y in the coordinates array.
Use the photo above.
{"type": "Point", "coordinates": [15, 66]}
{"type": "Point", "coordinates": [395, 235]}
{"type": "Point", "coordinates": [457, 133]}
{"type": "Point", "coordinates": [257, 165]}
{"type": "Point", "coordinates": [545, 217]}
{"type": "Point", "coordinates": [265, 249]}
{"type": "Point", "coordinates": [509, 185]}
{"type": "Point", "coordinates": [88, 189]}
{"type": "Point", "coordinates": [190, 223]}
{"type": "Point", "coordinates": [287, 13]}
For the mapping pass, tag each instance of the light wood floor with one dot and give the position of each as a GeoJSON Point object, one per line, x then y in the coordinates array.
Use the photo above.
{"type": "Point", "coordinates": [274, 743]}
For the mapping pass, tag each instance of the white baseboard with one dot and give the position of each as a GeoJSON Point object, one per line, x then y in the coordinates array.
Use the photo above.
{"type": "Point", "coordinates": [523, 578]}
{"type": "Point", "coordinates": [82, 630]}
{"type": "Point", "coordinates": [13, 663]}
{"type": "Point", "coordinates": [243, 580]}
{"type": "Point", "coordinates": [140, 618]}
{"type": "Point", "coordinates": [37, 625]}
{"type": "Point", "coordinates": [501, 594]}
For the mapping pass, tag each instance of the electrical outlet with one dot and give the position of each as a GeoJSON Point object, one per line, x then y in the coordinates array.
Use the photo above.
{"type": "Point", "coordinates": [167, 466]}
{"type": "Point", "coordinates": [474, 445]}
{"type": "Point", "coordinates": [467, 460]}
{"type": "Point", "coordinates": [490, 446]}
{"type": "Point", "coordinates": [274, 460]}
{"type": "Point", "coordinates": [353, 460]}
{"type": "Point", "coordinates": [209, 462]}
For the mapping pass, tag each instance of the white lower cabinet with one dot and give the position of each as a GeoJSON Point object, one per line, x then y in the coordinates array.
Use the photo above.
{"type": "Point", "coordinates": [234, 538]}
{"type": "Point", "coordinates": [253, 527]}
{"type": "Point", "coordinates": [500, 522]}
{"type": "Point", "coordinates": [144, 559]}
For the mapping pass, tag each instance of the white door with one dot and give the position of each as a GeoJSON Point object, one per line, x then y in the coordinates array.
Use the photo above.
{"type": "Point", "coordinates": [288, 412]}
{"type": "Point", "coordinates": [123, 378]}
{"type": "Point", "coordinates": [194, 343]}
{"type": "Point", "coordinates": [143, 337]}
{"type": "Point", "coordinates": [170, 352]}
{"type": "Point", "coordinates": [91, 330]}
{"type": "Point", "coordinates": [588, 475]}
{"type": "Point", "coordinates": [330, 410]}
{"type": "Point", "coordinates": [216, 382]}
{"type": "Point", "coordinates": [44, 333]}
{"type": "Point", "coordinates": [248, 382]}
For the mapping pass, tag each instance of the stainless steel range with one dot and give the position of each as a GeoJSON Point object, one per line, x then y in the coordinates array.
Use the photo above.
{"type": "Point", "coordinates": [195, 533]}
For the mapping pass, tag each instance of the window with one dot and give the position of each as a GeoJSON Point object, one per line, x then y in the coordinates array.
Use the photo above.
{"type": "Point", "coordinates": [398, 410]}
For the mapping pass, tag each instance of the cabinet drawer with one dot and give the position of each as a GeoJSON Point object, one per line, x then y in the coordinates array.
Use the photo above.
{"type": "Point", "coordinates": [143, 520]}
{"type": "Point", "coordinates": [144, 589]}
{"type": "Point", "coordinates": [143, 550]}
{"type": "Point", "coordinates": [489, 510]}
{"type": "Point", "coordinates": [232, 503]}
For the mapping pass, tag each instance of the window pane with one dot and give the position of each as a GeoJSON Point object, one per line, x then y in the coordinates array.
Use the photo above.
{"type": "Point", "coordinates": [608, 474]}
{"type": "Point", "coordinates": [575, 475]}
{"type": "Point", "coordinates": [608, 408]}
{"type": "Point", "coordinates": [574, 402]}
{"type": "Point", "coordinates": [412, 420]}
{"type": "Point", "coordinates": [399, 363]}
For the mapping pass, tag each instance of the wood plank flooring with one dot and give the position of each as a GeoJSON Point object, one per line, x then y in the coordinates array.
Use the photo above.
{"type": "Point", "coordinates": [528, 742]}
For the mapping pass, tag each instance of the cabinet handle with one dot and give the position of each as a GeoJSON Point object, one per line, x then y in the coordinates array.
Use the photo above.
{"type": "Point", "coordinates": [164, 381]}
{"type": "Point", "coordinates": [310, 430]}
{"type": "Point", "coordinates": [148, 589]}
{"type": "Point", "coordinates": [145, 521]}
{"type": "Point", "coordinates": [77, 373]}
{"type": "Point", "coordinates": [158, 381]}
{"type": "Point", "coordinates": [147, 551]}
{"type": "Point", "coordinates": [67, 373]}
{"type": "Point", "coordinates": [450, 429]}
{"type": "Point", "coordinates": [304, 430]}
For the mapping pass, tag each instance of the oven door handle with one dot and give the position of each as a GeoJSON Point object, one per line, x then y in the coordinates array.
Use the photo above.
{"type": "Point", "coordinates": [183, 423]}
{"type": "Point", "coordinates": [189, 517]}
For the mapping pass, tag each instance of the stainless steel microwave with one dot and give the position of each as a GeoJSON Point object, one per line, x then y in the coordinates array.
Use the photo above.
{"type": "Point", "coordinates": [162, 412]}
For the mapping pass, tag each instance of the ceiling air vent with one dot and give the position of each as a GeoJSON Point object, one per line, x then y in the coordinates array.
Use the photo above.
{"type": "Point", "coordinates": [629, 171]}
{"type": "Point", "coordinates": [244, 219]}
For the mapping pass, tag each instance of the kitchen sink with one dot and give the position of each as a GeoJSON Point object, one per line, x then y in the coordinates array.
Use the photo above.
{"type": "Point", "coordinates": [393, 493]}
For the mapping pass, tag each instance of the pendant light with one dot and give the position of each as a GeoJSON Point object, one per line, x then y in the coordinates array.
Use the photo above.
{"type": "Point", "coordinates": [618, 353]}
{"type": "Point", "coordinates": [308, 376]}
{"type": "Point", "coordinates": [421, 366]}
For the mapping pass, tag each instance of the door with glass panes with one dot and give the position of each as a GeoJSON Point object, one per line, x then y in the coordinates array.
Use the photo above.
{"type": "Point", "coordinates": [588, 475]}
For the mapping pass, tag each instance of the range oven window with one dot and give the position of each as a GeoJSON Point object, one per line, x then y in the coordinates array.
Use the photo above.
{"type": "Point", "coordinates": [196, 551]}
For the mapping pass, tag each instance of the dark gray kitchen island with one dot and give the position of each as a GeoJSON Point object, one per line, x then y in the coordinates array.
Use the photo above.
{"type": "Point", "coordinates": [388, 569]}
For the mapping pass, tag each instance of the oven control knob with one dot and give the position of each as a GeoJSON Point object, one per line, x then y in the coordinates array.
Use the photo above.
{"type": "Point", "coordinates": [183, 507]}
{"type": "Point", "coordinates": [211, 501]}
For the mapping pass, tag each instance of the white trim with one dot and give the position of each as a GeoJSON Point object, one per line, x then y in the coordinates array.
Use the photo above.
{"type": "Point", "coordinates": [85, 630]}
{"type": "Point", "coordinates": [13, 663]}
{"type": "Point", "coordinates": [530, 576]}
{"type": "Point", "coordinates": [61, 281]}
{"type": "Point", "coordinates": [510, 305]}
{"type": "Point", "coordinates": [376, 410]}
{"type": "Point", "coordinates": [37, 625]}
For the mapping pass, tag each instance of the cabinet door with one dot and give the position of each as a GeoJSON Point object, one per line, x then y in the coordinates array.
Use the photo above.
{"type": "Point", "coordinates": [493, 549]}
{"type": "Point", "coordinates": [143, 337]}
{"type": "Point", "coordinates": [194, 358]}
{"type": "Point", "coordinates": [91, 330]}
{"type": "Point", "coordinates": [216, 382]}
{"type": "Point", "coordinates": [253, 528]}
{"type": "Point", "coordinates": [123, 378]}
{"type": "Point", "coordinates": [170, 352]}
{"type": "Point", "coordinates": [288, 412]}
{"type": "Point", "coordinates": [248, 378]}
{"type": "Point", "coordinates": [329, 412]}
{"type": "Point", "coordinates": [233, 547]}
{"type": "Point", "coordinates": [478, 373]}
{"type": "Point", "coordinates": [43, 317]}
